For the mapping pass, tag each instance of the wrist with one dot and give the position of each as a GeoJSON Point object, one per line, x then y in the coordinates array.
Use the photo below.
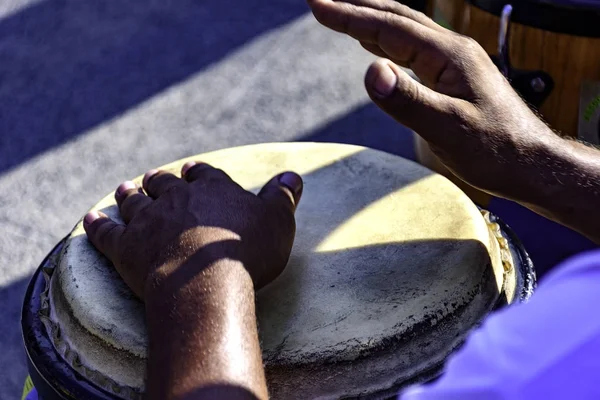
{"type": "Point", "coordinates": [184, 285]}
{"type": "Point", "coordinates": [192, 324]}
{"type": "Point", "coordinates": [525, 170]}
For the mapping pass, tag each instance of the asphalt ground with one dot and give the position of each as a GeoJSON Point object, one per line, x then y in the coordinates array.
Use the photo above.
{"type": "Point", "coordinates": [93, 92]}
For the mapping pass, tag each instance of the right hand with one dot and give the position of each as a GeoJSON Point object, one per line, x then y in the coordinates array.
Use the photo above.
{"type": "Point", "coordinates": [464, 108]}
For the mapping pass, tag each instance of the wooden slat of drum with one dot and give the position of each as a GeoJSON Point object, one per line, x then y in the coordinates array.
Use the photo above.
{"type": "Point", "coordinates": [570, 60]}
{"type": "Point", "coordinates": [451, 11]}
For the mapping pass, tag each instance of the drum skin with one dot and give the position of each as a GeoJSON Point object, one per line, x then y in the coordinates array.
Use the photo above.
{"type": "Point", "coordinates": [300, 345]}
{"type": "Point", "coordinates": [54, 379]}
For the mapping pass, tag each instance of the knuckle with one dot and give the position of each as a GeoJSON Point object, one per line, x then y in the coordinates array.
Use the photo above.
{"type": "Point", "coordinates": [462, 114]}
{"type": "Point", "coordinates": [108, 229]}
{"type": "Point", "coordinates": [410, 95]}
{"type": "Point", "coordinates": [134, 203]}
{"type": "Point", "coordinates": [470, 44]}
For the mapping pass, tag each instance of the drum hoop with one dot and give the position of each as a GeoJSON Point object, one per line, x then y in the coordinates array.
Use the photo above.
{"type": "Point", "coordinates": [525, 274]}
{"type": "Point", "coordinates": [577, 20]}
{"type": "Point", "coordinates": [53, 377]}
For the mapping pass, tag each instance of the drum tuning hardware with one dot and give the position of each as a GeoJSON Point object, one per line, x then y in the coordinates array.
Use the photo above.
{"type": "Point", "coordinates": [538, 85]}
{"type": "Point", "coordinates": [533, 86]}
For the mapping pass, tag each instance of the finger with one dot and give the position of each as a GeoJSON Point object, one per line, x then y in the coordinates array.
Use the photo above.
{"type": "Point", "coordinates": [284, 189]}
{"type": "Point", "coordinates": [411, 103]}
{"type": "Point", "coordinates": [131, 200]}
{"type": "Point", "coordinates": [394, 7]}
{"type": "Point", "coordinates": [374, 49]}
{"type": "Point", "coordinates": [196, 170]}
{"type": "Point", "coordinates": [104, 233]}
{"type": "Point", "coordinates": [157, 182]}
{"type": "Point", "coordinates": [402, 39]}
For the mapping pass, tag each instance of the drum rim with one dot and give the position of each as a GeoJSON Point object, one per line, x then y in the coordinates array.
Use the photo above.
{"type": "Point", "coordinates": [526, 275]}
{"type": "Point", "coordinates": [64, 383]}
{"type": "Point", "coordinates": [42, 357]}
{"type": "Point", "coordinates": [577, 20]}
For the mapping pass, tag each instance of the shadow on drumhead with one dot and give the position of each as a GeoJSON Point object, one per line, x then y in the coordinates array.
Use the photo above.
{"type": "Point", "coordinates": [380, 272]}
{"type": "Point", "coordinates": [345, 314]}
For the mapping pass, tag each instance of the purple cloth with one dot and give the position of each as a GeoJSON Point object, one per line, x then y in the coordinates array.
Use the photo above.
{"type": "Point", "coordinates": [548, 348]}
{"type": "Point", "coordinates": [32, 395]}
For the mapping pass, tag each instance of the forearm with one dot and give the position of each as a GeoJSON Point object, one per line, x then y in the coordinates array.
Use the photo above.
{"type": "Point", "coordinates": [203, 338]}
{"type": "Point", "coordinates": [559, 179]}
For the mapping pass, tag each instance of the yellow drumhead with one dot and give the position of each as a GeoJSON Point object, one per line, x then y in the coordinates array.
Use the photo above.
{"type": "Point", "coordinates": [384, 248]}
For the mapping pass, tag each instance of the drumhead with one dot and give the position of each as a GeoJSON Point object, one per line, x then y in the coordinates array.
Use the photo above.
{"type": "Point", "coordinates": [391, 267]}
{"type": "Point", "coordinates": [572, 17]}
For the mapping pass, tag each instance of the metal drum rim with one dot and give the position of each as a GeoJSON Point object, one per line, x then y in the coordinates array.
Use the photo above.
{"type": "Point", "coordinates": [39, 362]}
{"type": "Point", "coordinates": [566, 18]}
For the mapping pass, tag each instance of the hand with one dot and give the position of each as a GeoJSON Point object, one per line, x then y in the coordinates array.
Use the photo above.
{"type": "Point", "coordinates": [184, 225]}
{"type": "Point", "coordinates": [464, 108]}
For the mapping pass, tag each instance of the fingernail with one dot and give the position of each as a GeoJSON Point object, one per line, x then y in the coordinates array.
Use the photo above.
{"type": "Point", "coordinates": [149, 175]}
{"type": "Point", "coordinates": [91, 217]}
{"type": "Point", "coordinates": [187, 166]}
{"type": "Point", "coordinates": [292, 181]}
{"type": "Point", "coordinates": [125, 186]}
{"type": "Point", "coordinates": [385, 82]}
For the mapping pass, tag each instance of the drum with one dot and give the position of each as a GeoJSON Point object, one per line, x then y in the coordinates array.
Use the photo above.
{"type": "Point", "coordinates": [553, 56]}
{"type": "Point", "coordinates": [449, 13]}
{"type": "Point", "coordinates": [392, 266]}
{"type": "Point", "coordinates": [550, 53]}
{"type": "Point", "coordinates": [419, 5]}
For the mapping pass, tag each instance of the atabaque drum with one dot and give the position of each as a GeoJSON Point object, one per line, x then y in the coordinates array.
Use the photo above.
{"type": "Point", "coordinates": [392, 266]}
{"type": "Point", "coordinates": [552, 58]}
{"type": "Point", "coordinates": [448, 13]}
{"type": "Point", "coordinates": [550, 52]}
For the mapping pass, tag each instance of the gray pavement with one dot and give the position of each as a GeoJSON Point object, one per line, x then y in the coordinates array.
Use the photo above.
{"type": "Point", "coordinates": [93, 92]}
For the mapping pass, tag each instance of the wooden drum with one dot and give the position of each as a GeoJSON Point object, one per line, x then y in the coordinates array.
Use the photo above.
{"type": "Point", "coordinates": [448, 13]}
{"type": "Point", "coordinates": [391, 267]}
{"type": "Point", "coordinates": [559, 39]}
{"type": "Point", "coordinates": [551, 57]}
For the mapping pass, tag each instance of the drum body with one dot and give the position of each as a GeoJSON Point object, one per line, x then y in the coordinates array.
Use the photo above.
{"type": "Point", "coordinates": [420, 5]}
{"type": "Point", "coordinates": [560, 38]}
{"type": "Point", "coordinates": [374, 298]}
{"type": "Point", "coordinates": [449, 13]}
{"type": "Point", "coordinates": [557, 38]}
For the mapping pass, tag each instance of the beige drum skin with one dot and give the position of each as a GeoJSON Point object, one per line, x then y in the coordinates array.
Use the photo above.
{"type": "Point", "coordinates": [391, 267]}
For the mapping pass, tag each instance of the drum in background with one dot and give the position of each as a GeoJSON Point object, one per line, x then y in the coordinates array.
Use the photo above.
{"type": "Point", "coordinates": [553, 56]}
{"type": "Point", "coordinates": [550, 53]}
{"type": "Point", "coordinates": [448, 13]}
{"type": "Point", "coordinates": [425, 6]}
{"type": "Point", "coordinates": [391, 267]}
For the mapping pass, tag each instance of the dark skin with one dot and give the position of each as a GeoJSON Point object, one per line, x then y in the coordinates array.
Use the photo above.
{"type": "Point", "coordinates": [468, 113]}
{"type": "Point", "coordinates": [196, 249]}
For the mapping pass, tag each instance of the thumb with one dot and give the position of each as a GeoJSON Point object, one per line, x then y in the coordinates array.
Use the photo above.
{"type": "Point", "coordinates": [406, 100]}
{"type": "Point", "coordinates": [284, 189]}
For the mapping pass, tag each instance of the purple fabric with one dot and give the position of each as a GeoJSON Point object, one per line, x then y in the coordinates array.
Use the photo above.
{"type": "Point", "coordinates": [33, 395]}
{"type": "Point", "coordinates": [548, 348]}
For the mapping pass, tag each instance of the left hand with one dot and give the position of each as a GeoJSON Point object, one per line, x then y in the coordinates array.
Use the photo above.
{"type": "Point", "coordinates": [184, 225]}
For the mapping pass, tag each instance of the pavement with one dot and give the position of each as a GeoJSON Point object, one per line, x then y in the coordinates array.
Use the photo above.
{"type": "Point", "coordinates": [93, 92]}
